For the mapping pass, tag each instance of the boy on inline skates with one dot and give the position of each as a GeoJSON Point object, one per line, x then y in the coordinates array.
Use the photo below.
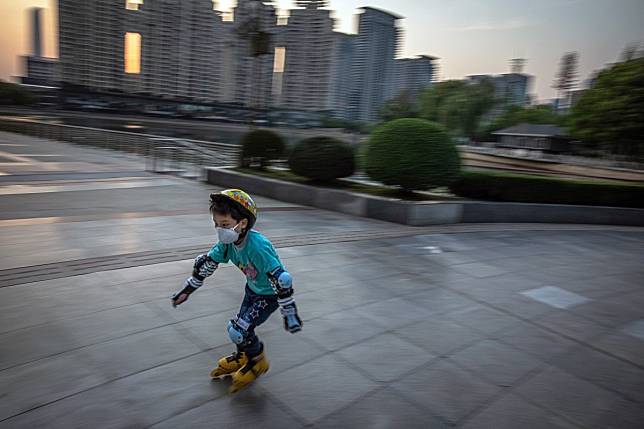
{"type": "Point", "coordinates": [268, 284]}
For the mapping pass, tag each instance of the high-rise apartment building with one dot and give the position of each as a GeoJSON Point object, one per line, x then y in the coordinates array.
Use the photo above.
{"type": "Point", "coordinates": [373, 67]}
{"type": "Point", "coordinates": [308, 48]}
{"type": "Point", "coordinates": [509, 88]}
{"type": "Point", "coordinates": [341, 77]}
{"type": "Point", "coordinates": [39, 70]}
{"type": "Point", "coordinates": [163, 48]}
{"type": "Point", "coordinates": [413, 75]}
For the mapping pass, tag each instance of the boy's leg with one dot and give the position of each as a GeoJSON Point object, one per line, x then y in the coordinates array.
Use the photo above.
{"type": "Point", "coordinates": [256, 314]}
{"type": "Point", "coordinates": [244, 308]}
{"type": "Point", "coordinates": [231, 363]}
{"type": "Point", "coordinates": [262, 307]}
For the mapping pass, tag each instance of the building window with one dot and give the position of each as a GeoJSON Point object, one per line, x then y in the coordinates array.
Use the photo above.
{"type": "Point", "coordinates": [133, 4]}
{"type": "Point", "coordinates": [132, 53]}
{"type": "Point", "coordinates": [280, 58]}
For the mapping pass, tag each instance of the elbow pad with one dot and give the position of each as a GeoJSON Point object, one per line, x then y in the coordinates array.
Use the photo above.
{"type": "Point", "coordinates": [282, 282]}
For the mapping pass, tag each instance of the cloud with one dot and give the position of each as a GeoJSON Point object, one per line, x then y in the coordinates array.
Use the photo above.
{"type": "Point", "coordinates": [514, 24]}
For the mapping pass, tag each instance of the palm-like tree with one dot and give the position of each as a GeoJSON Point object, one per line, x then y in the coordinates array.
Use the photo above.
{"type": "Point", "coordinates": [251, 30]}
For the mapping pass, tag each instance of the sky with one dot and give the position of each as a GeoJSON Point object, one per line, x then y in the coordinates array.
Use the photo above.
{"type": "Point", "coordinates": [469, 36]}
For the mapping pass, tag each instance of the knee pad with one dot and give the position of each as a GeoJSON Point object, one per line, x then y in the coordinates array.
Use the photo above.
{"type": "Point", "coordinates": [237, 330]}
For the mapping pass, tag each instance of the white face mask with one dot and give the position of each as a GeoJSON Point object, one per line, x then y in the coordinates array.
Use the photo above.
{"type": "Point", "coordinates": [227, 235]}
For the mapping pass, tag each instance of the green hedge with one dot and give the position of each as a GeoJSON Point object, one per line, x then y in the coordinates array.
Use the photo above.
{"type": "Point", "coordinates": [322, 159]}
{"type": "Point", "coordinates": [261, 147]}
{"type": "Point", "coordinates": [536, 189]}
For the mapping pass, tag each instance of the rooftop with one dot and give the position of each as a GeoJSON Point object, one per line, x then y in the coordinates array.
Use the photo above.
{"type": "Point", "coordinates": [375, 9]}
{"type": "Point", "coordinates": [534, 130]}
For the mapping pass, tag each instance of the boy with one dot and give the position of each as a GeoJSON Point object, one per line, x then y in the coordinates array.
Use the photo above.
{"type": "Point", "coordinates": [268, 284]}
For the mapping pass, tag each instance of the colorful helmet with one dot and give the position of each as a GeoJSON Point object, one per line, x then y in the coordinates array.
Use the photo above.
{"type": "Point", "coordinates": [241, 198]}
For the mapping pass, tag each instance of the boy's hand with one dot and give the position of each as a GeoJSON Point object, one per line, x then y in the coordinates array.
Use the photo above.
{"type": "Point", "coordinates": [189, 286]}
{"type": "Point", "coordinates": [183, 297]}
{"type": "Point", "coordinates": [292, 321]}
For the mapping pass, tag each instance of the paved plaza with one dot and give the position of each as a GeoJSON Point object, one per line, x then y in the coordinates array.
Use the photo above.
{"type": "Point", "coordinates": [473, 326]}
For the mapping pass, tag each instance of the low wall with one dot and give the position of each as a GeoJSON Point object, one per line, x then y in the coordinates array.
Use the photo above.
{"type": "Point", "coordinates": [421, 213]}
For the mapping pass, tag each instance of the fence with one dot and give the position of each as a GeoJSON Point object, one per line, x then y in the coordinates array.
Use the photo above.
{"type": "Point", "coordinates": [164, 153]}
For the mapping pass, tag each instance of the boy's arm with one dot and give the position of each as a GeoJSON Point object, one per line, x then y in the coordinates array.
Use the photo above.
{"type": "Point", "coordinates": [282, 282]}
{"type": "Point", "coordinates": [204, 266]}
{"type": "Point", "coordinates": [283, 285]}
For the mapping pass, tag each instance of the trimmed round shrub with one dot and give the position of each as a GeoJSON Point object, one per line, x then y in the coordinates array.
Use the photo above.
{"type": "Point", "coordinates": [413, 154]}
{"type": "Point", "coordinates": [261, 146]}
{"type": "Point", "coordinates": [322, 159]}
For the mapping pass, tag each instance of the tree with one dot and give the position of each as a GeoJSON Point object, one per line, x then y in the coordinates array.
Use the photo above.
{"type": "Point", "coordinates": [566, 78]}
{"type": "Point", "coordinates": [261, 147]}
{"type": "Point", "coordinates": [401, 106]}
{"type": "Point", "coordinates": [611, 113]}
{"type": "Point", "coordinates": [412, 154]}
{"type": "Point", "coordinates": [458, 105]}
{"type": "Point", "coordinates": [322, 159]}
{"type": "Point", "coordinates": [259, 44]}
{"type": "Point", "coordinates": [480, 99]}
{"type": "Point", "coordinates": [631, 52]}
{"type": "Point", "coordinates": [433, 100]}
{"type": "Point", "coordinates": [10, 93]}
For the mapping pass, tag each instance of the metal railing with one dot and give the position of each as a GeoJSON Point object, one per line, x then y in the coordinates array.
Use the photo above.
{"type": "Point", "coordinates": [163, 154]}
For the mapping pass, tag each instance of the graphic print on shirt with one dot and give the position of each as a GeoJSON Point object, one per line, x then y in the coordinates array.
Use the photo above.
{"type": "Point", "coordinates": [249, 270]}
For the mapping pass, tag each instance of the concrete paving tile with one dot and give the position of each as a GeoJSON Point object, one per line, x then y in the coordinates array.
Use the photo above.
{"type": "Point", "coordinates": [31, 385]}
{"type": "Point", "coordinates": [622, 345]}
{"type": "Point", "coordinates": [603, 286]}
{"type": "Point", "coordinates": [446, 391]}
{"type": "Point", "coordinates": [484, 319]}
{"type": "Point", "coordinates": [612, 312]}
{"type": "Point", "coordinates": [21, 346]}
{"type": "Point", "coordinates": [536, 341]}
{"type": "Point", "coordinates": [285, 350]}
{"type": "Point", "coordinates": [339, 330]}
{"type": "Point", "coordinates": [386, 357]}
{"type": "Point", "coordinates": [438, 335]}
{"type": "Point", "coordinates": [383, 409]}
{"type": "Point", "coordinates": [571, 325]}
{"type": "Point", "coordinates": [605, 371]}
{"type": "Point", "coordinates": [138, 400]}
{"type": "Point", "coordinates": [245, 409]}
{"type": "Point", "coordinates": [496, 362]}
{"type": "Point", "coordinates": [580, 401]}
{"type": "Point", "coordinates": [318, 387]}
{"type": "Point", "coordinates": [400, 284]}
{"type": "Point", "coordinates": [518, 305]}
{"type": "Point", "coordinates": [480, 269]}
{"type": "Point", "coordinates": [555, 297]}
{"type": "Point", "coordinates": [511, 412]}
{"type": "Point", "coordinates": [394, 312]}
{"type": "Point", "coordinates": [54, 378]}
{"type": "Point", "coordinates": [440, 300]}
{"type": "Point", "coordinates": [635, 329]}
